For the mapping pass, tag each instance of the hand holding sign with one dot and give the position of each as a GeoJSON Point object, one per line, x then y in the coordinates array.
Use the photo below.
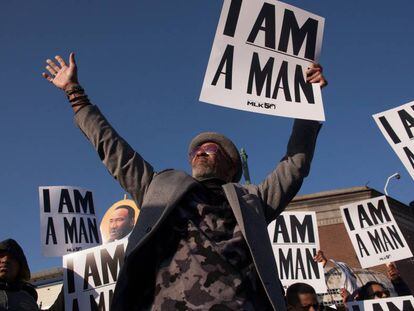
{"type": "Point", "coordinates": [392, 271]}
{"type": "Point", "coordinates": [314, 75]}
{"type": "Point", "coordinates": [295, 241]}
{"type": "Point", "coordinates": [374, 233]}
{"type": "Point", "coordinates": [320, 257]}
{"type": "Point", "coordinates": [259, 58]}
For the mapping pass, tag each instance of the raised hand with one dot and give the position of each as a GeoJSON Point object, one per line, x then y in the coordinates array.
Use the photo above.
{"type": "Point", "coordinates": [62, 75]}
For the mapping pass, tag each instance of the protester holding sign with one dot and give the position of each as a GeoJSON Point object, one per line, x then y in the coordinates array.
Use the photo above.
{"type": "Point", "coordinates": [259, 56]}
{"type": "Point", "coordinates": [200, 240]}
{"type": "Point", "coordinates": [374, 233]}
{"type": "Point", "coordinates": [376, 290]}
{"type": "Point", "coordinates": [295, 244]}
{"type": "Point", "coordinates": [371, 290]}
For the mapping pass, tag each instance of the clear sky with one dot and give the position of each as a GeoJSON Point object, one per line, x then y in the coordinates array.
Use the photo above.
{"type": "Point", "coordinates": [143, 62]}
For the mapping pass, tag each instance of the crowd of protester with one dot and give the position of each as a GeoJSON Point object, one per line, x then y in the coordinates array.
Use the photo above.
{"type": "Point", "coordinates": [301, 296]}
{"type": "Point", "coordinates": [16, 293]}
{"type": "Point", "coordinates": [204, 212]}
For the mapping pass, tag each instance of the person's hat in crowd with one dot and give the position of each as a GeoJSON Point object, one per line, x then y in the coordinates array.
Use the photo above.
{"type": "Point", "coordinates": [12, 247]}
{"type": "Point", "coordinates": [226, 145]}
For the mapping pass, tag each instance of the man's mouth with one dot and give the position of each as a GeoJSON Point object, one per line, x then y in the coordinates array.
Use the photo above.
{"type": "Point", "coordinates": [200, 160]}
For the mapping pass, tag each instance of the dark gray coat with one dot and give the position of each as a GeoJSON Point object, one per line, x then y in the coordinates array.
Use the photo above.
{"type": "Point", "coordinates": [254, 206]}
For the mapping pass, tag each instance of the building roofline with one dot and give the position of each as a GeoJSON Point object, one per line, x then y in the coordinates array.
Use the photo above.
{"type": "Point", "coordinates": [324, 195]}
{"type": "Point", "coordinates": [332, 193]}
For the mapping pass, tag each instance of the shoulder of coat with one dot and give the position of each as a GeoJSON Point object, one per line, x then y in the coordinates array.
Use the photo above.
{"type": "Point", "coordinates": [163, 171]}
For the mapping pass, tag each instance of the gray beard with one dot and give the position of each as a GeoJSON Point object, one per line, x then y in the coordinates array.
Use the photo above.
{"type": "Point", "coordinates": [203, 172]}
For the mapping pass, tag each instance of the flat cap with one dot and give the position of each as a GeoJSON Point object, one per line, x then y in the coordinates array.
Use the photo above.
{"type": "Point", "coordinates": [226, 144]}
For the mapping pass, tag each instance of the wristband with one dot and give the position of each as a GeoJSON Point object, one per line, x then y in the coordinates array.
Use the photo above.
{"type": "Point", "coordinates": [80, 97]}
{"type": "Point", "coordinates": [75, 89]}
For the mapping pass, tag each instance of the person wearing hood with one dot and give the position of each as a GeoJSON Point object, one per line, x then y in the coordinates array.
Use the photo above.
{"type": "Point", "coordinates": [16, 294]}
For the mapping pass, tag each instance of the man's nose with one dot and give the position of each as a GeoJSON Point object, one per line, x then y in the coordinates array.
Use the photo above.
{"type": "Point", "coordinates": [201, 151]}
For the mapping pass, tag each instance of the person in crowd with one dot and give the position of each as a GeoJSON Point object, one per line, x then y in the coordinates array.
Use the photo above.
{"type": "Point", "coordinates": [400, 287]}
{"type": "Point", "coordinates": [371, 290]}
{"type": "Point", "coordinates": [201, 240]}
{"type": "Point", "coordinates": [302, 297]}
{"type": "Point", "coordinates": [16, 294]}
{"type": "Point", "coordinates": [376, 290]}
{"type": "Point", "coordinates": [121, 222]}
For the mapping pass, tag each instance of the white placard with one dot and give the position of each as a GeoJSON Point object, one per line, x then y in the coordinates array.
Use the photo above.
{"type": "Point", "coordinates": [90, 276]}
{"type": "Point", "coordinates": [403, 303]}
{"type": "Point", "coordinates": [259, 57]}
{"type": "Point", "coordinates": [67, 220]}
{"type": "Point", "coordinates": [375, 235]}
{"type": "Point", "coordinates": [295, 241]}
{"type": "Point", "coordinates": [397, 126]}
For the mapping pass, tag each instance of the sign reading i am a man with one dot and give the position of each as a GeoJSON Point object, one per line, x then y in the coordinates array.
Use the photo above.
{"type": "Point", "coordinates": [403, 303]}
{"type": "Point", "coordinates": [90, 276]}
{"type": "Point", "coordinates": [375, 235]}
{"type": "Point", "coordinates": [397, 126]}
{"type": "Point", "coordinates": [259, 57]}
{"type": "Point", "coordinates": [295, 241]}
{"type": "Point", "coordinates": [67, 220]}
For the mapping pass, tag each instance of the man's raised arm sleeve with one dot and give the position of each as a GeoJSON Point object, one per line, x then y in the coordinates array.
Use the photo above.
{"type": "Point", "coordinates": [282, 184]}
{"type": "Point", "coordinates": [123, 163]}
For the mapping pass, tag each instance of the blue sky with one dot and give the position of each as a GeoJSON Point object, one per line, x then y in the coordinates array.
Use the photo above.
{"type": "Point", "coordinates": [143, 62]}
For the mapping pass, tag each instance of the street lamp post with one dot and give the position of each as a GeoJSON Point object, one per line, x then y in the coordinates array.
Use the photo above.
{"type": "Point", "coordinates": [396, 176]}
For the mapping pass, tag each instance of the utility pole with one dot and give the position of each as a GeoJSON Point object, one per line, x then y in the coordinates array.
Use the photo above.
{"type": "Point", "coordinates": [245, 166]}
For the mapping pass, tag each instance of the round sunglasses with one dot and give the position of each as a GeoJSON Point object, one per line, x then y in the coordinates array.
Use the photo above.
{"type": "Point", "coordinates": [208, 148]}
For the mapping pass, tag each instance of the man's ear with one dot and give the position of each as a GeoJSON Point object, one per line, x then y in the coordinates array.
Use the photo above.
{"type": "Point", "coordinates": [232, 172]}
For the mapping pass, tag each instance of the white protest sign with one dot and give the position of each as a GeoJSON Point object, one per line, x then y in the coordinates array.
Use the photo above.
{"type": "Point", "coordinates": [403, 303]}
{"type": "Point", "coordinates": [375, 235]}
{"type": "Point", "coordinates": [90, 276]}
{"type": "Point", "coordinates": [397, 126]}
{"type": "Point", "coordinates": [67, 220]}
{"type": "Point", "coordinates": [259, 57]}
{"type": "Point", "coordinates": [295, 241]}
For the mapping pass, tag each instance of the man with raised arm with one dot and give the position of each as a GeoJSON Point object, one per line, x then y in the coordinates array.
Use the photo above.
{"type": "Point", "coordinates": [201, 241]}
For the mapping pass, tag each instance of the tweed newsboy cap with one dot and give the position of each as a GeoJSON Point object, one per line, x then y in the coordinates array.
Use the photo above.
{"type": "Point", "coordinates": [226, 144]}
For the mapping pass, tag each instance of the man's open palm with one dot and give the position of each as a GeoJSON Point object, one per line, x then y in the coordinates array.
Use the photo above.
{"type": "Point", "coordinates": [62, 75]}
